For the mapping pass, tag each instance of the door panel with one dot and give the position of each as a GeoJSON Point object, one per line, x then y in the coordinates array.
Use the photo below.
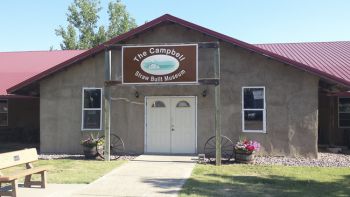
{"type": "Point", "coordinates": [183, 119]}
{"type": "Point", "coordinates": [158, 125]}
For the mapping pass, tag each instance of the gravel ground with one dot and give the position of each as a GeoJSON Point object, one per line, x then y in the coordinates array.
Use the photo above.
{"type": "Point", "coordinates": [65, 156]}
{"type": "Point", "coordinates": [324, 160]}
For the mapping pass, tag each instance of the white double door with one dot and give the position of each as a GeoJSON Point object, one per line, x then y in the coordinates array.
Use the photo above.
{"type": "Point", "coordinates": [170, 125]}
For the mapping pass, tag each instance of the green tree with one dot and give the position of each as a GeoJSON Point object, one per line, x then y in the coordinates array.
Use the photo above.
{"type": "Point", "coordinates": [82, 31]}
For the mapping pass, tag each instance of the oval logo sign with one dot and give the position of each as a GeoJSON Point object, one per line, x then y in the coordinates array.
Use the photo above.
{"type": "Point", "coordinates": [159, 64]}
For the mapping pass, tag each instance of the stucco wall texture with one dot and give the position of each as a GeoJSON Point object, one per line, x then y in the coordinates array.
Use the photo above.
{"type": "Point", "coordinates": [291, 99]}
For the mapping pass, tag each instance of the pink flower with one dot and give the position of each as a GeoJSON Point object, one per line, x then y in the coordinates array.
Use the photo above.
{"type": "Point", "coordinates": [250, 148]}
{"type": "Point", "coordinates": [247, 145]}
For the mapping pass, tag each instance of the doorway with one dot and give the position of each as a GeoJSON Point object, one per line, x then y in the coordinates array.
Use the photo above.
{"type": "Point", "coordinates": [171, 125]}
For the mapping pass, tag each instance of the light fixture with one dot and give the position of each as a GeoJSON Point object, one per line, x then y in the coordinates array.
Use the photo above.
{"type": "Point", "coordinates": [204, 93]}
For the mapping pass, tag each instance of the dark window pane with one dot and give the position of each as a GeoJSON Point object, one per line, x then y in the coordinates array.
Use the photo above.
{"type": "Point", "coordinates": [158, 104]}
{"type": "Point", "coordinates": [253, 98]}
{"type": "Point", "coordinates": [183, 104]}
{"type": "Point", "coordinates": [344, 105]}
{"type": "Point", "coordinates": [3, 106]}
{"type": "Point", "coordinates": [253, 120]}
{"type": "Point", "coordinates": [345, 116]}
{"type": "Point", "coordinates": [92, 119]}
{"type": "Point", "coordinates": [344, 119]}
{"type": "Point", "coordinates": [3, 119]}
{"type": "Point", "coordinates": [92, 98]}
{"type": "Point", "coordinates": [344, 123]}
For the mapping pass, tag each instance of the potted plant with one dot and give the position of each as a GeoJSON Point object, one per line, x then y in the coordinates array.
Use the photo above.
{"type": "Point", "coordinates": [90, 145]}
{"type": "Point", "coordinates": [245, 149]}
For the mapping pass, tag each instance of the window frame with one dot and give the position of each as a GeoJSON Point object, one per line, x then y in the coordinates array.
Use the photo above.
{"type": "Point", "coordinates": [87, 109]}
{"type": "Point", "coordinates": [7, 113]}
{"type": "Point", "coordinates": [263, 110]}
{"type": "Point", "coordinates": [341, 127]}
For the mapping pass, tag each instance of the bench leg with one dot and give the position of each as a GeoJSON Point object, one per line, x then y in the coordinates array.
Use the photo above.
{"type": "Point", "coordinates": [12, 192]}
{"type": "Point", "coordinates": [14, 188]}
{"type": "Point", "coordinates": [43, 179]}
{"type": "Point", "coordinates": [27, 181]}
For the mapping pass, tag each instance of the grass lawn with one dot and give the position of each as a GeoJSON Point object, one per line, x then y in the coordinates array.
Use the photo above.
{"type": "Point", "coordinates": [255, 180]}
{"type": "Point", "coordinates": [72, 170]}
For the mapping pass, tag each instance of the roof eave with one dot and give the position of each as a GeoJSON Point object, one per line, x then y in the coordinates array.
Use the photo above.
{"type": "Point", "coordinates": [190, 25]}
{"type": "Point", "coordinates": [87, 53]}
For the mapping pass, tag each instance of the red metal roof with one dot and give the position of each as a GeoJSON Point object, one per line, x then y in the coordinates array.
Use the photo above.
{"type": "Point", "coordinates": [16, 67]}
{"type": "Point", "coordinates": [329, 57]}
{"type": "Point", "coordinates": [170, 18]}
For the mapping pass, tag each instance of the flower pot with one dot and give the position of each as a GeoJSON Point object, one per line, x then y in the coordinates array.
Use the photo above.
{"type": "Point", "coordinates": [90, 152]}
{"type": "Point", "coordinates": [244, 157]}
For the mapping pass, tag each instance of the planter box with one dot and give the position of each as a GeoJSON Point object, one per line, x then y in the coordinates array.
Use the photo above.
{"type": "Point", "coordinates": [90, 152]}
{"type": "Point", "coordinates": [244, 157]}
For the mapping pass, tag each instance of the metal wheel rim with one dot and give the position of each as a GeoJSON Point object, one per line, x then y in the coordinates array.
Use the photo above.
{"type": "Point", "coordinates": [226, 149]}
{"type": "Point", "coordinates": [117, 147]}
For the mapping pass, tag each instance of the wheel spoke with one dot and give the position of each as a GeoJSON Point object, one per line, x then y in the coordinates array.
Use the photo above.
{"type": "Point", "coordinates": [212, 143]}
{"type": "Point", "coordinates": [119, 145]}
{"type": "Point", "coordinates": [225, 143]}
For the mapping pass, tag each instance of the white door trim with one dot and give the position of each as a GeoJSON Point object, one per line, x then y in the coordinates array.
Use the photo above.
{"type": "Point", "coordinates": [145, 118]}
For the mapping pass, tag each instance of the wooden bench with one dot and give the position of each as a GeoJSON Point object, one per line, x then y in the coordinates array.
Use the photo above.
{"type": "Point", "coordinates": [15, 158]}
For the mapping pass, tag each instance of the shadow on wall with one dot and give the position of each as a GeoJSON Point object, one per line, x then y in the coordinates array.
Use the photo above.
{"type": "Point", "coordinates": [265, 186]}
{"type": "Point", "coordinates": [13, 146]}
{"type": "Point", "coordinates": [19, 134]}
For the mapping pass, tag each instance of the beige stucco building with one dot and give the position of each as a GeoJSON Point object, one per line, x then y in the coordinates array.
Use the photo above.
{"type": "Point", "coordinates": [263, 97]}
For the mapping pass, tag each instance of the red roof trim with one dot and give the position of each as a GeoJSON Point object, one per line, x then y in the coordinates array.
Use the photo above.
{"type": "Point", "coordinates": [14, 96]}
{"type": "Point", "coordinates": [182, 22]}
{"type": "Point", "coordinates": [340, 94]}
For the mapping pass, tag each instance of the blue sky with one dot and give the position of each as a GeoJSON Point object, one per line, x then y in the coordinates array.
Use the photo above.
{"type": "Point", "coordinates": [29, 25]}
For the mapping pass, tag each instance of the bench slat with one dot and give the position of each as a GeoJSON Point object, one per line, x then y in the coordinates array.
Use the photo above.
{"type": "Point", "coordinates": [22, 173]}
{"type": "Point", "coordinates": [2, 193]}
{"type": "Point", "coordinates": [14, 158]}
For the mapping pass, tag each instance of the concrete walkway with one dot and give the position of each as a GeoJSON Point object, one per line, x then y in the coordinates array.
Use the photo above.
{"type": "Point", "coordinates": [146, 175]}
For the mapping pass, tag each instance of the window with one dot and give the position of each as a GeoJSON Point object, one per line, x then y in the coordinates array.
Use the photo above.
{"type": "Point", "coordinates": [92, 109]}
{"type": "Point", "coordinates": [183, 104]}
{"type": "Point", "coordinates": [344, 112]}
{"type": "Point", "coordinates": [3, 113]}
{"type": "Point", "coordinates": [158, 104]}
{"type": "Point", "coordinates": [253, 109]}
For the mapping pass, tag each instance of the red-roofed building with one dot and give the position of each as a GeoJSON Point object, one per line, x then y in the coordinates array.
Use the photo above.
{"type": "Point", "coordinates": [17, 67]}
{"type": "Point", "coordinates": [287, 96]}
{"type": "Point", "coordinates": [332, 58]}
{"type": "Point", "coordinates": [19, 114]}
